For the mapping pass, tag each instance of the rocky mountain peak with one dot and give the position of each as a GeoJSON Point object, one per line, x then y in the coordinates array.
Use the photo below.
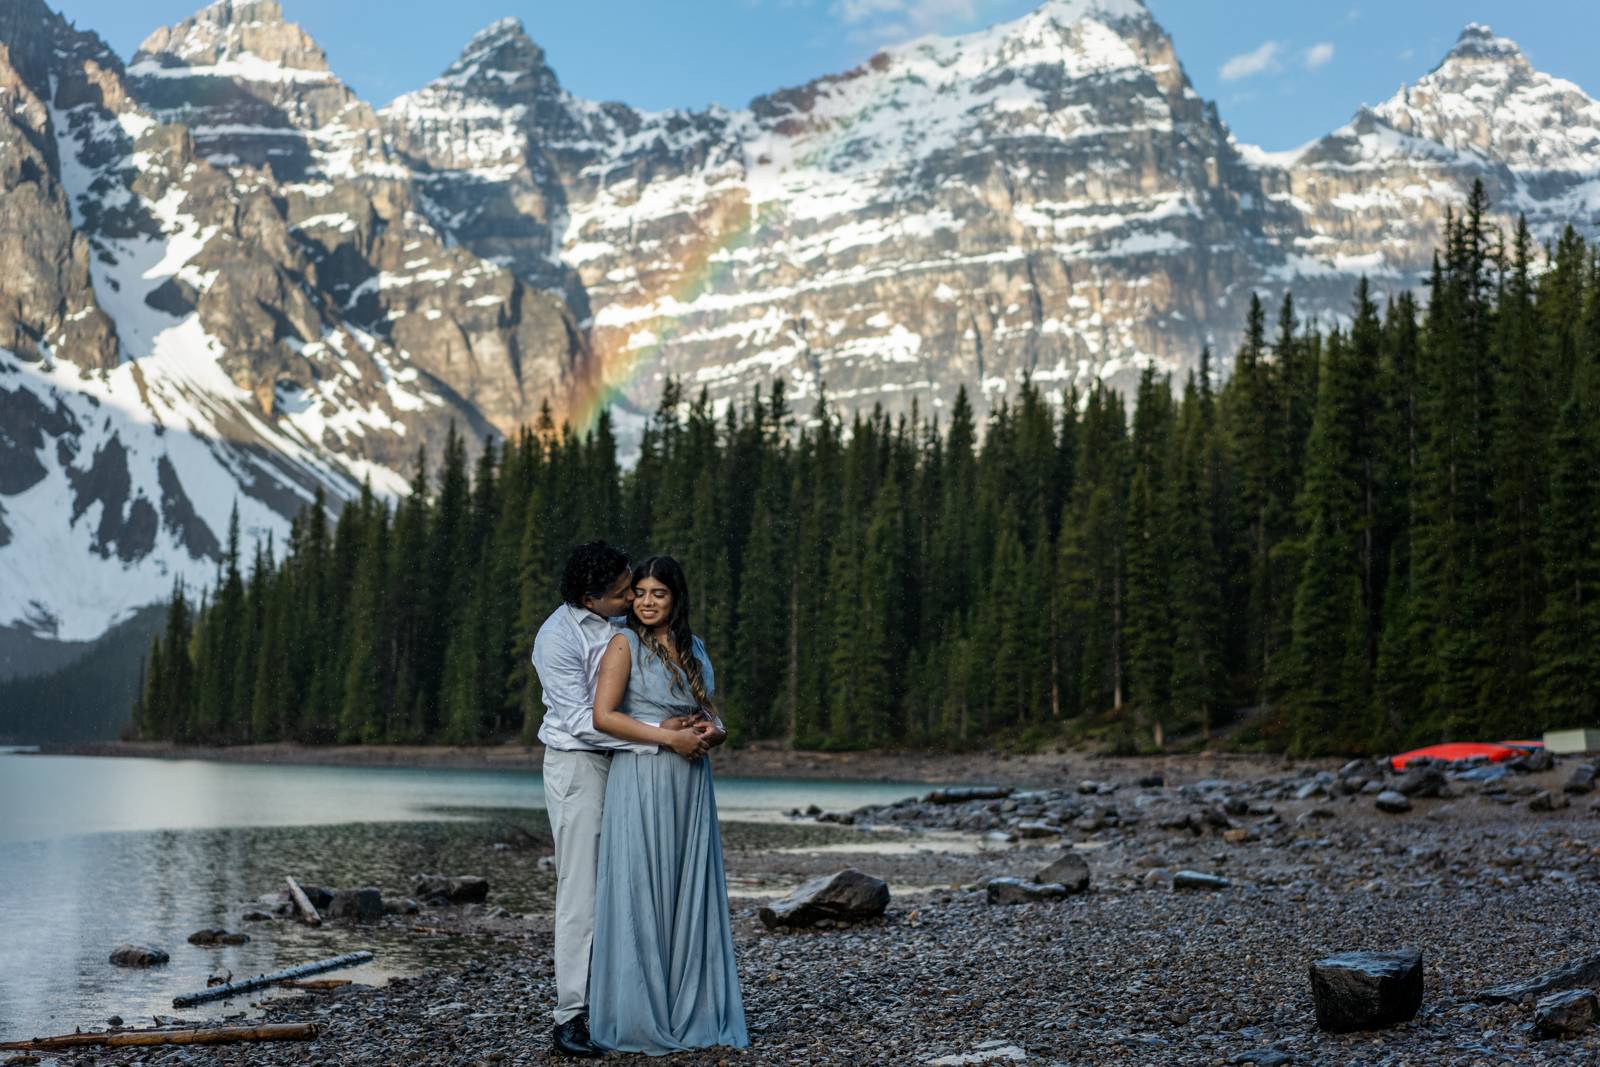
{"type": "Point", "coordinates": [500, 63]}
{"type": "Point", "coordinates": [239, 38]}
{"type": "Point", "coordinates": [1478, 41]}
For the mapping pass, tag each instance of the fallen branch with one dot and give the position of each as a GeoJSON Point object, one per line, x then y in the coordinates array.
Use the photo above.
{"type": "Point", "coordinates": [214, 1035]}
{"type": "Point", "coordinates": [315, 983]}
{"type": "Point", "coordinates": [221, 992]}
{"type": "Point", "coordinates": [308, 911]}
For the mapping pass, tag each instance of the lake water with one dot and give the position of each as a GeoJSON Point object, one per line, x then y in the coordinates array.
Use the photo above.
{"type": "Point", "coordinates": [99, 852]}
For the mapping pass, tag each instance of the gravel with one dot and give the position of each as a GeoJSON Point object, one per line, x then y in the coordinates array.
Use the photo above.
{"type": "Point", "coordinates": [1129, 972]}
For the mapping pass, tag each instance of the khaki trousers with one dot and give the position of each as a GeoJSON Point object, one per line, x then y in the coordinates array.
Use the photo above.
{"type": "Point", "coordinates": [575, 795]}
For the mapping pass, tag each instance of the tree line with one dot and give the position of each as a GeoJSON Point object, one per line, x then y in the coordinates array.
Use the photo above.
{"type": "Point", "coordinates": [1378, 533]}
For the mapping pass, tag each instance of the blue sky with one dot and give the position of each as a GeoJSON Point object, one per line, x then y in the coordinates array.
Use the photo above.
{"type": "Point", "coordinates": [1281, 73]}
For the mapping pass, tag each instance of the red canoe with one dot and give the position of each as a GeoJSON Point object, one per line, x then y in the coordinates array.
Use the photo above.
{"type": "Point", "coordinates": [1459, 750]}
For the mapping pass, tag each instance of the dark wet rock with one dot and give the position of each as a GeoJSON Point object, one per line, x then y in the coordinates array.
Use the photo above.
{"type": "Point", "coordinates": [1069, 870]}
{"type": "Point", "coordinates": [256, 915]}
{"type": "Point", "coordinates": [1421, 780]}
{"type": "Point", "coordinates": [363, 905]}
{"type": "Point", "coordinates": [1580, 972]}
{"type": "Point", "coordinates": [843, 818]}
{"type": "Point", "coordinates": [1366, 990]}
{"type": "Point", "coordinates": [1198, 880]}
{"type": "Point", "coordinates": [437, 889]}
{"type": "Point", "coordinates": [1535, 762]}
{"type": "Point", "coordinates": [1566, 1014]}
{"type": "Point", "coordinates": [1544, 800]}
{"type": "Point", "coordinates": [1152, 781]}
{"type": "Point", "coordinates": [1581, 780]}
{"type": "Point", "coordinates": [1017, 891]}
{"type": "Point", "coordinates": [397, 906]}
{"type": "Point", "coordinates": [1264, 1057]}
{"type": "Point", "coordinates": [217, 936]}
{"type": "Point", "coordinates": [963, 794]}
{"type": "Point", "coordinates": [138, 956]}
{"type": "Point", "coordinates": [847, 895]}
{"type": "Point", "coordinates": [1393, 802]}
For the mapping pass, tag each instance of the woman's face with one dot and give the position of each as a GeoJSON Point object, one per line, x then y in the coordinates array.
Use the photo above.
{"type": "Point", "coordinates": [652, 601]}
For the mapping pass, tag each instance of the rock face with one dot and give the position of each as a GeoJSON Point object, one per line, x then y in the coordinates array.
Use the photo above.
{"type": "Point", "coordinates": [187, 321]}
{"type": "Point", "coordinates": [848, 896]}
{"type": "Point", "coordinates": [1366, 990]}
{"type": "Point", "coordinates": [138, 956]}
{"type": "Point", "coordinates": [230, 277]}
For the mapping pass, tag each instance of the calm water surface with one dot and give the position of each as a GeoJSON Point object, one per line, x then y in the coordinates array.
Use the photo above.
{"type": "Point", "coordinates": [98, 852]}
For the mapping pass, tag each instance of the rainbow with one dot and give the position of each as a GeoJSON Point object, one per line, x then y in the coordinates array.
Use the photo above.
{"type": "Point", "coordinates": [702, 266]}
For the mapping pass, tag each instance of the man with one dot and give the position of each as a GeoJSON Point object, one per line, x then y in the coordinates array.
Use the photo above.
{"type": "Point", "coordinates": [597, 591]}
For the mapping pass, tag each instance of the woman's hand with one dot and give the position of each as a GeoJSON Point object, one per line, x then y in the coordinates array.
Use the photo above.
{"type": "Point", "coordinates": [677, 722]}
{"type": "Point", "coordinates": [687, 743]}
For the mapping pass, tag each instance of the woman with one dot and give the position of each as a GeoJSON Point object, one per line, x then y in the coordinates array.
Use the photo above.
{"type": "Point", "coordinates": [662, 977]}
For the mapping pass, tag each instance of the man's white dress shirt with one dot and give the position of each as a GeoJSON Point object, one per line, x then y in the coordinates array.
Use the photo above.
{"type": "Point", "coordinates": [566, 653]}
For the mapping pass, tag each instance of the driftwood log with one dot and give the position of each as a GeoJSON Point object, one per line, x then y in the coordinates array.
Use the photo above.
{"type": "Point", "coordinates": [316, 983]}
{"type": "Point", "coordinates": [244, 985]}
{"type": "Point", "coordinates": [308, 910]}
{"type": "Point", "coordinates": [214, 1035]}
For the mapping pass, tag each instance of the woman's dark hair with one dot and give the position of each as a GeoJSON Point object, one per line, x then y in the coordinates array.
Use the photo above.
{"type": "Point", "coordinates": [667, 571]}
{"type": "Point", "coordinates": [590, 571]}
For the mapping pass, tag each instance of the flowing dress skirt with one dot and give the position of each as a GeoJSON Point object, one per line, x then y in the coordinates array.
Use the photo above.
{"type": "Point", "coordinates": [662, 977]}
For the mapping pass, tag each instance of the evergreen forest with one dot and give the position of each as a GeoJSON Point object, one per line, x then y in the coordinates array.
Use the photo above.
{"type": "Point", "coordinates": [1375, 534]}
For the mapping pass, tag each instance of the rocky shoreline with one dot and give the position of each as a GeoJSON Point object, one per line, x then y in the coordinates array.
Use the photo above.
{"type": "Point", "coordinates": [1491, 877]}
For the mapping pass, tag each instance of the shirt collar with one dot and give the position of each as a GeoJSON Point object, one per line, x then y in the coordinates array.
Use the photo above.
{"type": "Point", "coordinates": [586, 618]}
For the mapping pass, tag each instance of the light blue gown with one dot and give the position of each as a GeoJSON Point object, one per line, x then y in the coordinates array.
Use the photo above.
{"type": "Point", "coordinates": [662, 976]}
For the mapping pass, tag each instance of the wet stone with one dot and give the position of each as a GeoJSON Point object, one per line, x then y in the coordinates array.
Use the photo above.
{"type": "Point", "coordinates": [1393, 802]}
{"type": "Point", "coordinates": [138, 956]}
{"type": "Point", "coordinates": [1198, 880]}
{"type": "Point", "coordinates": [1366, 990]}
{"type": "Point", "coordinates": [1580, 780]}
{"type": "Point", "coordinates": [1016, 891]}
{"type": "Point", "coordinates": [359, 905]}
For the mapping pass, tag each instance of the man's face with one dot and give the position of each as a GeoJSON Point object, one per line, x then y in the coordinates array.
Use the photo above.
{"type": "Point", "coordinates": [616, 600]}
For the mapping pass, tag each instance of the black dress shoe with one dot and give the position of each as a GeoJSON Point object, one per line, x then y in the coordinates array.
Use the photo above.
{"type": "Point", "coordinates": [571, 1038]}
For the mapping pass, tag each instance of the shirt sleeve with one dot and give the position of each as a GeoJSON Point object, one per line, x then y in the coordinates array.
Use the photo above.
{"type": "Point", "coordinates": [569, 692]}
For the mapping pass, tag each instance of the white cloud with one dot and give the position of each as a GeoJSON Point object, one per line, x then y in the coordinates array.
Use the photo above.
{"type": "Point", "coordinates": [1318, 55]}
{"type": "Point", "coordinates": [1246, 64]}
{"type": "Point", "coordinates": [890, 21]}
{"type": "Point", "coordinates": [1409, 53]}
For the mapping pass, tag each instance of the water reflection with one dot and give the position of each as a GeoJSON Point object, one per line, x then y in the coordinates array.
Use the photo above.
{"type": "Point", "coordinates": [99, 852]}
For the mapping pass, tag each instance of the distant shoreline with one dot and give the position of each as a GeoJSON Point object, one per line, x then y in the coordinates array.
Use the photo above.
{"type": "Point", "coordinates": [751, 761]}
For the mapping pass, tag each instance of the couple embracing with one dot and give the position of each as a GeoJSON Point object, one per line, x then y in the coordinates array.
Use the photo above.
{"type": "Point", "coordinates": [643, 946]}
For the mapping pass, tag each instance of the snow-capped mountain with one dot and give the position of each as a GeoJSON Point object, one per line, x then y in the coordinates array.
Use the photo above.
{"type": "Point", "coordinates": [231, 280]}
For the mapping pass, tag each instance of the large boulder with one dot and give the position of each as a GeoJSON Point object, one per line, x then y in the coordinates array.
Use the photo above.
{"type": "Point", "coordinates": [138, 956]}
{"type": "Point", "coordinates": [848, 896]}
{"type": "Point", "coordinates": [1366, 990]}
{"type": "Point", "coordinates": [1016, 891]}
{"type": "Point", "coordinates": [363, 905]}
{"type": "Point", "coordinates": [1069, 870]}
{"type": "Point", "coordinates": [1566, 1014]}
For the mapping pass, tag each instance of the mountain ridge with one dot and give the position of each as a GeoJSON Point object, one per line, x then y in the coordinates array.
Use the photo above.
{"type": "Point", "coordinates": [237, 281]}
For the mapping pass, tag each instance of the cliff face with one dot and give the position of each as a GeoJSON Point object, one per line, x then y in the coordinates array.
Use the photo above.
{"type": "Point", "coordinates": [231, 281]}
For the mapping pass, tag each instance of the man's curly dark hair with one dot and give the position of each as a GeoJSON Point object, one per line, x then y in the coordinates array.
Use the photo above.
{"type": "Point", "coordinates": [591, 570]}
